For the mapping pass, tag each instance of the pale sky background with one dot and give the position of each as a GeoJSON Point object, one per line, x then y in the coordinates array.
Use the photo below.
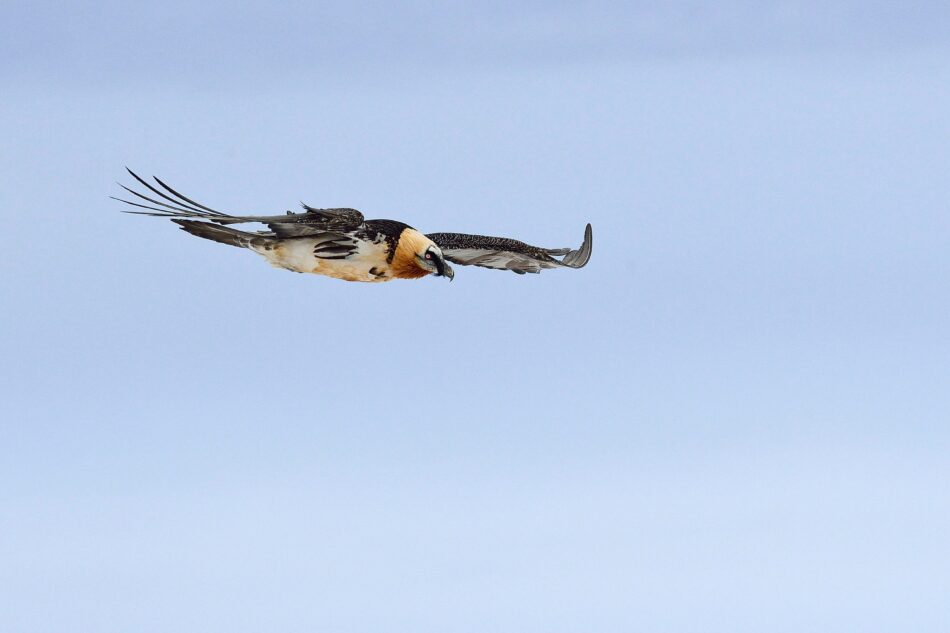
{"type": "Point", "coordinates": [734, 419]}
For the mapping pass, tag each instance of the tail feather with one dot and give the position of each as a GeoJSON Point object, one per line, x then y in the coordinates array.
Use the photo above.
{"type": "Point", "coordinates": [223, 234]}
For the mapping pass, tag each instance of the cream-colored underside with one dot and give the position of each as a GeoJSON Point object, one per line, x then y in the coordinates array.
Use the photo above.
{"type": "Point", "coordinates": [297, 255]}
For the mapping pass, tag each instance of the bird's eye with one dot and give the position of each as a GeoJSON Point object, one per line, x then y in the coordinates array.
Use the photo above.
{"type": "Point", "coordinates": [428, 255]}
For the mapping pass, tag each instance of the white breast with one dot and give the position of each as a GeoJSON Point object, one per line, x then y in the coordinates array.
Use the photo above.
{"type": "Point", "coordinates": [298, 255]}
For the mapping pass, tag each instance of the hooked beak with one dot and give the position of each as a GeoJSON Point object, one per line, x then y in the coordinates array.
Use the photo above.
{"type": "Point", "coordinates": [442, 268]}
{"type": "Point", "coordinates": [448, 272]}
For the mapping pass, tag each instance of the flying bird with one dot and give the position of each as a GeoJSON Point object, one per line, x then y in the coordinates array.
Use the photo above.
{"type": "Point", "coordinates": [340, 243]}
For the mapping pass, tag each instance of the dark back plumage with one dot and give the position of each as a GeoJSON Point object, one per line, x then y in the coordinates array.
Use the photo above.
{"type": "Point", "coordinates": [389, 230]}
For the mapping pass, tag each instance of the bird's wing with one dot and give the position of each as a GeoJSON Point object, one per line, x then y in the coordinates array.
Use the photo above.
{"type": "Point", "coordinates": [507, 254]}
{"type": "Point", "coordinates": [172, 204]}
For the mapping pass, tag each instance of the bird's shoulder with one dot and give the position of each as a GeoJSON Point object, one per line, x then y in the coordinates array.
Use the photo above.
{"type": "Point", "coordinates": [381, 230]}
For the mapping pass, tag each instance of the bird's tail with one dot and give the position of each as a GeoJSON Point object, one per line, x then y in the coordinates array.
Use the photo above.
{"type": "Point", "coordinates": [223, 234]}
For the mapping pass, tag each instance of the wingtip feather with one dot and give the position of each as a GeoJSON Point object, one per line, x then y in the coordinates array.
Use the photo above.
{"type": "Point", "coordinates": [580, 257]}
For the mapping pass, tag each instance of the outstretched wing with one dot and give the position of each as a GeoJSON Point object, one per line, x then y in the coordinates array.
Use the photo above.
{"type": "Point", "coordinates": [507, 254]}
{"type": "Point", "coordinates": [174, 205]}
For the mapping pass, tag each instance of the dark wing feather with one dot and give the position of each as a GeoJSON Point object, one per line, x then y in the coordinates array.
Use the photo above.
{"type": "Point", "coordinates": [314, 221]}
{"type": "Point", "coordinates": [177, 206]}
{"type": "Point", "coordinates": [503, 253]}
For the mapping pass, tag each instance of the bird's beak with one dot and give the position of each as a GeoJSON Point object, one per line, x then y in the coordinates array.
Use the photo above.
{"type": "Point", "coordinates": [448, 272]}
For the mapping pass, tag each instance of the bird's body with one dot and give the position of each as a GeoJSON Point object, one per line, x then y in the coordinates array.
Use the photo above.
{"type": "Point", "coordinates": [340, 243]}
{"type": "Point", "coordinates": [364, 264]}
{"type": "Point", "coordinates": [369, 259]}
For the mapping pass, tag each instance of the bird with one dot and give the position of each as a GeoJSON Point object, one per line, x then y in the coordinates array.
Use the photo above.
{"type": "Point", "coordinates": [342, 244]}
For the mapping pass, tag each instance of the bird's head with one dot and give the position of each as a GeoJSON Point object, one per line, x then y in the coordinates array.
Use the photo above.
{"type": "Point", "coordinates": [434, 262]}
{"type": "Point", "coordinates": [416, 251]}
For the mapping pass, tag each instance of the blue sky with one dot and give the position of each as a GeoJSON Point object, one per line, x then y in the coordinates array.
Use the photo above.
{"type": "Point", "coordinates": [734, 419]}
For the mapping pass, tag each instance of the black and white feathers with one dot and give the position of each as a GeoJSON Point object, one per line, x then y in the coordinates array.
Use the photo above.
{"type": "Point", "coordinates": [503, 253]}
{"type": "Point", "coordinates": [341, 243]}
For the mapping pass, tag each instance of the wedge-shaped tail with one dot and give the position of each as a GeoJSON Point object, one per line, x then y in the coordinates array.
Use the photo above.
{"type": "Point", "coordinates": [223, 234]}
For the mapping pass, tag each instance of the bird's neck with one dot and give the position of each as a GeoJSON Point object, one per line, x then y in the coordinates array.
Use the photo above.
{"type": "Point", "coordinates": [405, 264]}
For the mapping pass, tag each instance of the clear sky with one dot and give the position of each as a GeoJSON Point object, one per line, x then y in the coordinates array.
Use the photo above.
{"type": "Point", "coordinates": [735, 418]}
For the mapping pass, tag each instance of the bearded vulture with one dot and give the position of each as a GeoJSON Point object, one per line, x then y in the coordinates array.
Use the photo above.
{"type": "Point", "coordinates": [340, 243]}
